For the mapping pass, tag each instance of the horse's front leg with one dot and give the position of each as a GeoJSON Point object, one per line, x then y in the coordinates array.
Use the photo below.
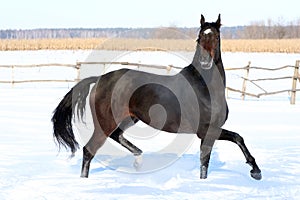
{"type": "Point", "coordinates": [237, 139]}
{"type": "Point", "coordinates": [205, 152]}
{"type": "Point", "coordinates": [208, 135]}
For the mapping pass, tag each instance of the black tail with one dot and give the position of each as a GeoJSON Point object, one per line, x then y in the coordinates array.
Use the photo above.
{"type": "Point", "coordinates": [62, 117]}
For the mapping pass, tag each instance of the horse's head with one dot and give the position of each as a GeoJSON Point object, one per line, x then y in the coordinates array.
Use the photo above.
{"type": "Point", "coordinates": [209, 42]}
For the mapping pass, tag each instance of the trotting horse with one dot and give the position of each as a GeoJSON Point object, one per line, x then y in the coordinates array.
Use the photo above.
{"type": "Point", "coordinates": [193, 101]}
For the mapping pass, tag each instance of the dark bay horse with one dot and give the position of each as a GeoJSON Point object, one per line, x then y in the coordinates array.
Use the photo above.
{"type": "Point", "coordinates": [192, 101]}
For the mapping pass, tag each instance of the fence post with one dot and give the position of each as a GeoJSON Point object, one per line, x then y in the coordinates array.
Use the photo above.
{"type": "Point", "coordinates": [245, 80]}
{"type": "Point", "coordinates": [294, 84]}
{"type": "Point", "coordinates": [12, 75]}
{"type": "Point", "coordinates": [168, 68]}
{"type": "Point", "coordinates": [78, 70]}
{"type": "Point", "coordinates": [104, 68]}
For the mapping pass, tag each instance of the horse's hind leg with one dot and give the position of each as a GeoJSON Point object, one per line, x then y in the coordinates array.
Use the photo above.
{"type": "Point", "coordinates": [117, 135]}
{"type": "Point", "coordinates": [236, 138]}
{"type": "Point", "coordinates": [90, 150]}
{"type": "Point", "coordinates": [86, 161]}
{"type": "Point", "coordinates": [96, 141]}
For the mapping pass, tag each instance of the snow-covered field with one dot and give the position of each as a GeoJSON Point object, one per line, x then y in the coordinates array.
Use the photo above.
{"type": "Point", "coordinates": [32, 168]}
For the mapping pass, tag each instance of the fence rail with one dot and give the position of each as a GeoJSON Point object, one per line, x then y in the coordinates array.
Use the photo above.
{"type": "Point", "coordinates": [243, 91]}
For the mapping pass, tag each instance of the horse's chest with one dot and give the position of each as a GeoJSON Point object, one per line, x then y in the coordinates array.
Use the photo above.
{"type": "Point", "coordinates": [218, 111]}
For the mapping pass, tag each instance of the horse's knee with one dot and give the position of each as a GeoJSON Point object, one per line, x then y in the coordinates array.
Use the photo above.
{"type": "Point", "coordinates": [96, 141]}
{"type": "Point", "coordinates": [205, 153]}
{"type": "Point", "coordinates": [239, 139]}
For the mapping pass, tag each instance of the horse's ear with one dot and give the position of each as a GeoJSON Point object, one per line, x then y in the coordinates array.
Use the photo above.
{"type": "Point", "coordinates": [218, 22]}
{"type": "Point", "coordinates": [202, 20]}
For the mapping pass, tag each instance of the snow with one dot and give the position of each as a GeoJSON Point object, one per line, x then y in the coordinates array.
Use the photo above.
{"type": "Point", "coordinates": [32, 168]}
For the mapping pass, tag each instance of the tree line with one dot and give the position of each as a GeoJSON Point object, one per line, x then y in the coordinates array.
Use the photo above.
{"type": "Point", "coordinates": [139, 33]}
{"type": "Point", "coordinates": [269, 29]}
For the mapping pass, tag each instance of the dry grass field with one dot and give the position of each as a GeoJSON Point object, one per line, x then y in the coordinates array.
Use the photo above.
{"type": "Point", "coordinates": [267, 45]}
{"type": "Point", "coordinates": [284, 45]}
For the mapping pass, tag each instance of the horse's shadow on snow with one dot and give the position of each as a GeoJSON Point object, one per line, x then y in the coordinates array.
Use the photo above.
{"type": "Point", "coordinates": [155, 163]}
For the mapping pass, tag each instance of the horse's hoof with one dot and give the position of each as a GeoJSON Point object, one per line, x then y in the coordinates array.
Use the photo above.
{"type": "Point", "coordinates": [203, 172]}
{"type": "Point", "coordinates": [84, 176]}
{"type": "Point", "coordinates": [84, 173]}
{"type": "Point", "coordinates": [203, 176]}
{"type": "Point", "coordinates": [138, 162]}
{"type": "Point", "coordinates": [256, 174]}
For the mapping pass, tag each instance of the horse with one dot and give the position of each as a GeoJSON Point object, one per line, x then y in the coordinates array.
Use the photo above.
{"type": "Point", "coordinates": [193, 101]}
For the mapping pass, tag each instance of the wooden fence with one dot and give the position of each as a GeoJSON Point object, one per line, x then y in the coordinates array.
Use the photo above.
{"type": "Point", "coordinates": [292, 90]}
{"type": "Point", "coordinates": [77, 67]}
{"type": "Point", "coordinates": [243, 91]}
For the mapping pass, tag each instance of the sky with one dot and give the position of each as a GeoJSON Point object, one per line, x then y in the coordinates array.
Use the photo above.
{"type": "Point", "coordinates": [29, 14]}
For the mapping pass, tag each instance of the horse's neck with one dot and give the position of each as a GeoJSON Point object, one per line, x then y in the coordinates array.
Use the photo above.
{"type": "Point", "coordinates": [196, 58]}
{"type": "Point", "coordinates": [217, 61]}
